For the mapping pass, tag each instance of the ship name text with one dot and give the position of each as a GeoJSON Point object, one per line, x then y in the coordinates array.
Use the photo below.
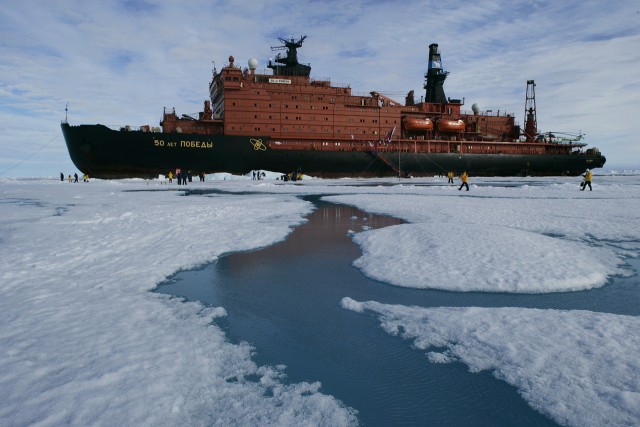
{"type": "Point", "coordinates": [280, 81]}
{"type": "Point", "coordinates": [183, 144]}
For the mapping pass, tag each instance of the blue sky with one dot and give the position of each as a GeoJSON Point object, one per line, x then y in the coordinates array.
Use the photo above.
{"type": "Point", "coordinates": [121, 62]}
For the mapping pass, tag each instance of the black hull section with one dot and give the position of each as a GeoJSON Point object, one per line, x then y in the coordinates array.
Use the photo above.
{"type": "Point", "coordinates": [104, 153]}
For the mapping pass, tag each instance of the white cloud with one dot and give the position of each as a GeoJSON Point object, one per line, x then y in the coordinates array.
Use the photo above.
{"type": "Point", "coordinates": [120, 62]}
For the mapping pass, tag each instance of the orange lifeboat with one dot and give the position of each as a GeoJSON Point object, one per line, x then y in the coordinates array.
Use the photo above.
{"type": "Point", "coordinates": [451, 125]}
{"type": "Point", "coordinates": [414, 124]}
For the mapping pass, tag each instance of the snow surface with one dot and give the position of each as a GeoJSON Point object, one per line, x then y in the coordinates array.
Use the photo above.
{"type": "Point", "coordinates": [581, 368]}
{"type": "Point", "coordinates": [83, 341]}
{"type": "Point", "coordinates": [526, 239]}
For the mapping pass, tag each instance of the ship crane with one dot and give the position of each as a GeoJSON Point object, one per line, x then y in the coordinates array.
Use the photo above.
{"type": "Point", "coordinates": [530, 120]}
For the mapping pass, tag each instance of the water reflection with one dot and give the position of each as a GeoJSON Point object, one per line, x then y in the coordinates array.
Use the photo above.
{"type": "Point", "coordinates": [285, 301]}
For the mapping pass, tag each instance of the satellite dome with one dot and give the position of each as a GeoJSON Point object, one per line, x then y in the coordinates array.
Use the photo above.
{"type": "Point", "coordinates": [475, 108]}
{"type": "Point", "coordinates": [253, 63]}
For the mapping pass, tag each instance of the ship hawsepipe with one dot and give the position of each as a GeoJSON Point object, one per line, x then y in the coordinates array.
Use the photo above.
{"type": "Point", "coordinates": [102, 152]}
{"type": "Point", "coordinates": [287, 121]}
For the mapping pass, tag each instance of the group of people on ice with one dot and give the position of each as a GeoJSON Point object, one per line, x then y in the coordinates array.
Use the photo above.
{"type": "Point", "coordinates": [464, 178]}
{"type": "Point", "coordinates": [74, 178]}
{"type": "Point", "coordinates": [184, 177]}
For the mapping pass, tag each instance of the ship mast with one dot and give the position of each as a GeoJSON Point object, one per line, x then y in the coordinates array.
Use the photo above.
{"type": "Point", "coordinates": [530, 120]}
{"type": "Point", "coordinates": [290, 65]}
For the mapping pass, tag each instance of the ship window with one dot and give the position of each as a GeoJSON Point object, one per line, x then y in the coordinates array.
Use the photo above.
{"type": "Point", "coordinates": [235, 79]}
{"type": "Point", "coordinates": [227, 78]}
{"type": "Point", "coordinates": [294, 97]}
{"type": "Point", "coordinates": [313, 107]}
{"type": "Point", "coordinates": [255, 117]}
{"type": "Point", "coordinates": [375, 132]}
{"type": "Point", "coordinates": [255, 105]}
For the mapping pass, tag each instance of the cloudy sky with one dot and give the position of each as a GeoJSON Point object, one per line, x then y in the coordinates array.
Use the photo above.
{"type": "Point", "coordinates": [121, 62]}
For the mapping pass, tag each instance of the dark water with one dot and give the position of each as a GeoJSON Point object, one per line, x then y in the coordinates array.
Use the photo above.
{"type": "Point", "coordinates": [285, 301]}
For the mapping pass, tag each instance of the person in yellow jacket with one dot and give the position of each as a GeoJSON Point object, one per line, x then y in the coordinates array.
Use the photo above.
{"type": "Point", "coordinates": [450, 176]}
{"type": "Point", "coordinates": [170, 177]}
{"type": "Point", "coordinates": [465, 181]}
{"type": "Point", "coordinates": [587, 180]}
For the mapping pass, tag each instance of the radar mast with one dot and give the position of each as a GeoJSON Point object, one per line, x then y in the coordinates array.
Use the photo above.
{"type": "Point", "coordinates": [290, 65]}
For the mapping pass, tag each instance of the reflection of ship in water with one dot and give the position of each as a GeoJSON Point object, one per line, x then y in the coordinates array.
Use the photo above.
{"type": "Point", "coordinates": [287, 121]}
{"type": "Point", "coordinates": [325, 225]}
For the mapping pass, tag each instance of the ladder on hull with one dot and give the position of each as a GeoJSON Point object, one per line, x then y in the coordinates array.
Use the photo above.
{"type": "Point", "coordinates": [376, 155]}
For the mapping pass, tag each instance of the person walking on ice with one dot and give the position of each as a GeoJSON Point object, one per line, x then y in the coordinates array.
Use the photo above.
{"type": "Point", "coordinates": [587, 180]}
{"type": "Point", "coordinates": [465, 181]}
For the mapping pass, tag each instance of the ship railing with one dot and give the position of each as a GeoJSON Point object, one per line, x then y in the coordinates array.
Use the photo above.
{"type": "Point", "coordinates": [416, 146]}
{"type": "Point", "coordinates": [129, 128]}
{"type": "Point", "coordinates": [498, 113]}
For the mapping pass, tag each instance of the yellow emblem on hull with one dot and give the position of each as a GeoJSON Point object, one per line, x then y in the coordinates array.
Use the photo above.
{"type": "Point", "coordinates": [258, 145]}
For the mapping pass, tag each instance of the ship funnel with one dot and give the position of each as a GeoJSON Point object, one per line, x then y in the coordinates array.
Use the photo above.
{"type": "Point", "coordinates": [435, 77]}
